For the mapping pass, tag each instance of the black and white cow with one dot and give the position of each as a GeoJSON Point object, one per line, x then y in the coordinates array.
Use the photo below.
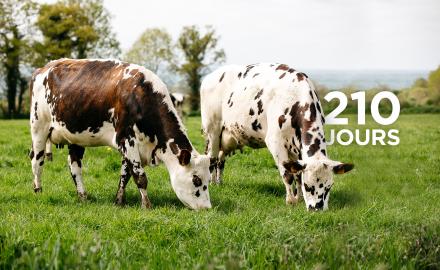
{"type": "Point", "coordinates": [273, 106]}
{"type": "Point", "coordinates": [83, 103]}
{"type": "Point", "coordinates": [178, 100]}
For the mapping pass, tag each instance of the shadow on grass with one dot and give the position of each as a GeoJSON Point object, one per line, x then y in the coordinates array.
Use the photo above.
{"type": "Point", "coordinates": [344, 198]}
{"type": "Point", "coordinates": [274, 189]}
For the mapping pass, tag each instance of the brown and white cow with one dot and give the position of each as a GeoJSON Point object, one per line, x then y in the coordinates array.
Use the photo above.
{"type": "Point", "coordinates": [273, 106]}
{"type": "Point", "coordinates": [85, 103]}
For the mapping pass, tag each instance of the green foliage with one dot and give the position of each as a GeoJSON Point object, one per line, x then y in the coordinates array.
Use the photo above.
{"type": "Point", "coordinates": [154, 50]}
{"type": "Point", "coordinates": [423, 93]}
{"type": "Point", "coordinates": [200, 52]}
{"type": "Point", "coordinates": [384, 214]}
{"type": "Point", "coordinates": [74, 29]}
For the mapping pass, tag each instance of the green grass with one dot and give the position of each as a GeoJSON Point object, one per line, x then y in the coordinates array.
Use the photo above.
{"type": "Point", "coordinates": [384, 214]}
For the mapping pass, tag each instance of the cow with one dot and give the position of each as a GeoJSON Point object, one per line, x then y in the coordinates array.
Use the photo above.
{"type": "Point", "coordinates": [178, 99]}
{"type": "Point", "coordinates": [94, 102]}
{"type": "Point", "coordinates": [273, 106]}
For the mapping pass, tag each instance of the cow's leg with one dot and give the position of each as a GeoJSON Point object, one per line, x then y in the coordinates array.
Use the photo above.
{"type": "Point", "coordinates": [298, 191]}
{"type": "Point", "coordinates": [39, 138]}
{"type": "Point", "coordinates": [49, 155]}
{"type": "Point", "coordinates": [220, 166]}
{"type": "Point", "coordinates": [76, 154]}
{"type": "Point", "coordinates": [212, 150]}
{"type": "Point", "coordinates": [280, 155]}
{"type": "Point", "coordinates": [123, 180]}
{"type": "Point", "coordinates": [131, 153]}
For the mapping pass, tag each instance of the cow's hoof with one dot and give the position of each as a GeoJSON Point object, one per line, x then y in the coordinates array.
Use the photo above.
{"type": "Point", "coordinates": [146, 205]}
{"type": "Point", "coordinates": [82, 197]}
{"type": "Point", "coordinates": [120, 201]}
{"type": "Point", "coordinates": [49, 156]}
{"type": "Point", "coordinates": [38, 189]}
{"type": "Point", "coordinates": [291, 201]}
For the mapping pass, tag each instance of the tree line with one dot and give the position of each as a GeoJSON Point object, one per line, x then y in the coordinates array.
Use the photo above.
{"type": "Point", "coordinates": [33, 34]}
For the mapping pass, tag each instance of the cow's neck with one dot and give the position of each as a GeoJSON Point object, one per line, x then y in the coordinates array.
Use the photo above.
{"type": "Point", "coordinates": [312, 142]}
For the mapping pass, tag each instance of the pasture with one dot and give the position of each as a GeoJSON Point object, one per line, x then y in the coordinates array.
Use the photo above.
{"type": "Point", "coordinates": [384, 214]}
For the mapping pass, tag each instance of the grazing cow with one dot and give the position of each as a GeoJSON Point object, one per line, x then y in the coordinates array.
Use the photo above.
{"type": "Point", "coordinates": [273, 106]}
{"type": "Point", "coordinates": [178, 99]}
{"type": "Point", "coordinates": [85, 103]}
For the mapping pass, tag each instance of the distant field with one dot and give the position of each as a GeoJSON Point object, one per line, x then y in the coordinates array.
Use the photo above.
{"type": "Point", "coordinates": [384, 214]}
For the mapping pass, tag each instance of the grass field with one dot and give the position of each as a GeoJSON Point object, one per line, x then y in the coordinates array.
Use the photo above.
{"type": "Point", "coordinates": [384, 214]}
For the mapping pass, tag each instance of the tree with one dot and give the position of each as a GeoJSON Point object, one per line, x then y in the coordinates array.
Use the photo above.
{"type": "Point", "coordinates": [15, 23]}
{"type": "Point", "coordinates": [154, 50]}
{"type": "Point", "coordinates": [434, 84]}
{"type": "Point", "coordinates": [200, 52]}
{"type": "Point", "coordinates": [75, 29]}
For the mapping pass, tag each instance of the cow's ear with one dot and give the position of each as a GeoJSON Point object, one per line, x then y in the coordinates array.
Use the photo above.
{"type": "Point", "coordinates": [294, 166]}
{"type": "Point", "coordinates": [341, 168]}
{"type": "Point", "coordinates": [184, 157]}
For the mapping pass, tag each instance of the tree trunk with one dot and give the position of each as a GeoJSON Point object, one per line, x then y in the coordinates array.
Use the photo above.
{"type": "Point", "coordinates": [194, 84]}
{"type": "Point", "coordinates": [23, 87]}
{"type": "Point", "coordinates": [12, 67]}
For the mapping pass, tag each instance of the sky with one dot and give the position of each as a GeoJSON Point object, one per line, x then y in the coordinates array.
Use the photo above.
{"type": "Point", "coordinates": [311, 34]}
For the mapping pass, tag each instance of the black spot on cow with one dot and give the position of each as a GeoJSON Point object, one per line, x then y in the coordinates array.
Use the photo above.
{"type": "Point", "coordinates": [312, 112]}
{"type": "Point", "coordinates": [282, 75]}
{"type": "Point", "coordinates": [300, 76]}
{"type": "Point", "coordinates": [197, 193]}
{"type": "Point", "coordinates": [314, 147]}
{"type": "Point", "coordinates": [281, 120]}
{"type": "Point", "coordinates": [255, 75]}
{"type": "Point", "coordinates": [286, 110]}
{"type": "Point", "coordinates": [197, 181]}
{"type": "Point", "coordinates": [260, 107]}
{"type": "Point", "coordinates": [76, 154]}
{"type": "Point", "coordinates": [308, 138]}
{"type": "Point", "coordinates": [322, 119]}
{"type": "Point", "coordinates": [42, 162]}
{"type": "Point", "coordinates": [39, 155]}
{"type": "Point", "coordinates": [239, 75]}
{"type": "Point", "coordinates": [319, 108]}
{"type": "Point", "coordinates": [221, 164]}
{"type": "Point", "coordinates": [248, 68]}
{"type": "Point", "coordinates": [251, 112]}
{"type": "Point", "coordinates": [323, 152]}
{"type": "Point", "coordinates": [319, 205]}
{"type": "Point", "coordinates": [326, 191]}
{"type": "Point", "coordinates": [321, 185]}
{"type": "Point", "coordinates": [205, 187]}
{"type": "Point", "coordinates": [291, 70]}
{"type": "Point", "coordinates": [221, 78]}
{"type": "Point", "coordinates": [311, 94]}
{"type": "Point", "coordinates": [229, 100]}
{"type": "Point", "coordinates": [256, 125]}
{"type": "Point", "coordinates": [259, 94]}
{"type": "Point", "coordinates": [35, 113]}
{"type": "Point", "coordinates": [31, 154]}
{"type": "Point", "coordinates": [309, 189]}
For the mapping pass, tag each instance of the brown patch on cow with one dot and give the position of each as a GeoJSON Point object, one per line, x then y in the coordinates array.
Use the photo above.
{"type": "Point", "coordinates": [293, 167]}
{"type": "Point", "coordinates": [221, 78]}
{"type": "Point", "coordinates": [314, 147]}
{"type": "Point", "coordinates": [300, 76]}
{"type": "Point", "coordinates": [251, 112]}
{"type": "Point", "coordinates": [259, 94]}
{"type": "Point", "coordinates": [91, 88]}
{"type": "Point", "coordinates": [260, 107]}
{"type": "Point", "coordinates": [291, 70]}
{"type": "Point", "coordinates": [286, 110]}
{"type": "Point", "coordinates": [282, 75]}
{"type": "Point", "coordinates": [256, 125]}
{"type": "Point", "coordinates": [184, 157]}
{"type": "Point", "coordinates": [282, 67]}
{"type": "Point", "coordinates": [174, 148]}
{"type": "Point", "coordinates": [281, 120]}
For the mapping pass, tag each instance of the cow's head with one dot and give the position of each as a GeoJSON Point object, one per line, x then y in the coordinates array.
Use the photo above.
{"type": "Point", "coordinates": [317, 179]}
{"type": "Point", "coordinates": [190, 180]}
